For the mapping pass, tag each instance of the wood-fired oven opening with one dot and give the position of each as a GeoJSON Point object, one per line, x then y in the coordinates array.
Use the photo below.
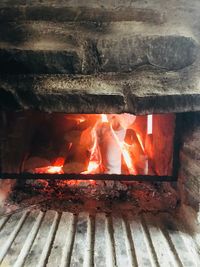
{"type": "Point", "coordinates": [87, 144]}
{"type": "Point", "coordinates": [98, 156]}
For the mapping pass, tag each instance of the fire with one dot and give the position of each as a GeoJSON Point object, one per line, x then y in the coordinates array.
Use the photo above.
{"type": "Point", "coordinates": [59, 162]}
{"type": "Point", "coordinates": [50, 170]}
{"type": "Point", "coordinates": [104, 118]}
{"type": "Point", "coordinates": [140, 141]}
{"type": "Point", "coordinates": [126, 154]}
{"type": "Point", "coordinates": [94, 162]}
{"type": "Point", "coordinates": [95, 165]}
{"type": "Point", "coordinates": [92, 167]}
{"type": "Point", "coordinates": [56, 168]}
{"type": "Point", "coordinates": [127, 158]}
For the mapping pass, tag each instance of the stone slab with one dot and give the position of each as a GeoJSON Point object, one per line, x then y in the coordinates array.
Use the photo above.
{"type": "Point", "coordinates": [85, 48]}
{"type": "Point", "coordinates": [141, 92]}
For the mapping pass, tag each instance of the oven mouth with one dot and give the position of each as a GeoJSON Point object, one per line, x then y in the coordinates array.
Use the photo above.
{"type": "Point", "coordinates": [40, 145]}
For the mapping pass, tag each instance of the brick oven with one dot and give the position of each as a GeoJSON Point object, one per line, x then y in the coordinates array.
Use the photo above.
{"type": "Point", "coordinates": [100, 133]}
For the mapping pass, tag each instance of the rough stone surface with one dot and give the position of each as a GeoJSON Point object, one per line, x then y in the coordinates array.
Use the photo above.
{"type": "Point", "coordinates": [189, 175]}
{"type": "Point", "coordinates": [125, 54]}
{"type": "Point", "coordinates": [127, 35]}
{"type": "Point", "coordinates": [47, 47]}
{"type": "Point", "coordinates": [72, 37]}
{"type": "Point", "coordinates": [141, 92]}
{"type": "Point", "coordinates": [21, 61]}
{"type": "Point", "coordinates": [62, 94]}
{"type": "Point", "coordinates": [165, 91]}
{"type": "Point", "coordinates": [79, 11]}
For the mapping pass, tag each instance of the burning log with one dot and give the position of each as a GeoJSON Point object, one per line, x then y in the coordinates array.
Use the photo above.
{"type": "Point", "coordinates": [111, 136]}
{"type": "Point", "coordinates": [110, 149]}
{"type": "Point", "coordinates": [35, 162]}
{"type": "Point", "coordinates": [74, 167]}
{"type": "Point", "coordinates": [137, 151]}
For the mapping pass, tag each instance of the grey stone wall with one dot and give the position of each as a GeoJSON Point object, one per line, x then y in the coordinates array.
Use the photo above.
{"type": "Point", "coordinates": [189, 173]}
{"type": "Point", "coordinates": [112, 56]}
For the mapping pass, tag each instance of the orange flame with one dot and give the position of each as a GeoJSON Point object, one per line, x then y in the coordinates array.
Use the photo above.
{"type": "Point", "coordinates": [126, 155]}
{"type": "Point", "coordinates": [140, 141]}
{"type": "Point", "coordinates": [57, 167]}
{"type": "Point", "coordinates": [59, 162]}
{"type": "Point", "coordinates": [127, 158]}
{"type": "Point", "coordinates": [95, 162]}
{"type": "Point", "coordinates": [92, 167]}
{"type": "Point", "coordinates": [50, 170]}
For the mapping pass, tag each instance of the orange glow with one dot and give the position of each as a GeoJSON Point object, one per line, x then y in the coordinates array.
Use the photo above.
{"type": "Point", "coordinates": [78, 118]}
{"type": "Point", "coordinates": [92, 167]}
{"type": "Point", "coordinates": [90, 150]}
{"type": "Point", "coordinates": [56, 168]}
{"type": "Point", "coordinates": [81, 120]}
{"type": "Point", "coordinates": [127, 158]}
{"type": "Point", "coordinates": [59, 162]}
{"type": "Point", "coordinates": [50, 170]}
{"type": "Point", "coordinates": [94, 162]}
{"type": "Point", "coordinates": [140, 141]}
{"type": "Point", "coordinates": [126, 154]}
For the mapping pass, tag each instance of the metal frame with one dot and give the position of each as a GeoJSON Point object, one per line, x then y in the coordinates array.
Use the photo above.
{"type": "Point", "coordinates": [73, 176]}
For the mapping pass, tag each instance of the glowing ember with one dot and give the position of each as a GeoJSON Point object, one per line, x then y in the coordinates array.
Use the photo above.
{"type": "Point", "coordinates": [59, 162]}
{"type": "Point", "coordinates": [56, 168]}
{"type": "Point", "coordinates": [92, 167]}
{"type": "Point", "coordinates": [50, 170]}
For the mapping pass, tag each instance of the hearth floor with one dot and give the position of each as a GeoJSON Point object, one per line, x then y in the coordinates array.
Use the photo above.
{"type": "Point", "coordinates": [36, 238]}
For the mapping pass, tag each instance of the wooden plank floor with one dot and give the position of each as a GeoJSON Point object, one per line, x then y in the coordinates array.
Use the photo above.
{"type": "Point", "coordinates": [37, 238]}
